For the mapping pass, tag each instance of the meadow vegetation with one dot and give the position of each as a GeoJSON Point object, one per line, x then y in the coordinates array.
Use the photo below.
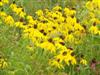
{"type": "Point", "coordinates": [49, 37]}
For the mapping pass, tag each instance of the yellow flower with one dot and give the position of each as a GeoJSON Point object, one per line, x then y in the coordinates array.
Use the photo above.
{"type": "Point", "coordinates": [60, 57]}
{"type": "Point", "coordinates": [22, 14]}
{"type": "Point", "coordinates": [70, 38]}
{"type": "Point", "coordinates": [3, 14]}
{"type": "Point", "coordinates": [83, 61]}
{"type": "Point", "coordinates": [3, 63]}
{"type": "Point", "coordinates": [31, 20]}
{"type": "Point", "coordinates": [71, 21]}
{"type": "Point", "coordinates": [89, 5]}
{"type": "Point", "coordinates": [56, 63]}
{"type": "Point", "coordinates": [9, 20]}
{"type": "Point", "coordinates": [49, 46]}
{"type": "Point", "coordinates": [39, 13]}
{"type": "Point", "coordinates": [66, 11]}
{"type": "Point", "coordinates": [78, 27]}
{"type": "Point", "coordinates": [29, 17]}
{"type": "Point", "coordinates": [5, 1]}
{"type": "Point", "coordinates": [20, 25]}
{"type": "Point", "coordinates": [96, 3]}
{"type": "Point", "coordinates": [67, 59]}
{"type": "Point", "coordinates": [94, 30]}
{"type": "Point", "coordinates": [13, 7]}
{"type": "Point", "coordinates": [69, 12]}
{"type": "Point", "coordinates": [72, 12]}
{"type": "Point", "coordinates": [18, 11]}
{"type": "Point", "coordinates": [59, 46]}
{"type": "Point", "coordinates": [64, 52]}
{"type": "Point", "coordinates": [91, 14]}
{"type": "Point", "coordinates": [1, 4]}
{"type": "Point", "coordinates": [57, 8]}
{"type": "Point", "coordinates": [99, 32]}
{"type": "Point", "coordinates": [73, 60]}
{"type": "Point", "coordinates": [95, 20]}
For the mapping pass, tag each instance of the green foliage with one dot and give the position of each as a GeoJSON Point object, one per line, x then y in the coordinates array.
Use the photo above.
{"type": "Point", "coordinates": [22, 61]}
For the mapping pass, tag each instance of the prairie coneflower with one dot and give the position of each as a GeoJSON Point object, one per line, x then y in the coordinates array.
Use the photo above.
{"type": "Point", "coordinates": [83, 60]}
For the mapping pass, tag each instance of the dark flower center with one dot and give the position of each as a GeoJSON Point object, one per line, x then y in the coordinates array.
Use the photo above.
{"type": "Point", "coordinates": [35, 26]}
{"type": "Point", "coordinates": [62, 43]}
{"type": "Point", "coordinates": [64, 53]}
